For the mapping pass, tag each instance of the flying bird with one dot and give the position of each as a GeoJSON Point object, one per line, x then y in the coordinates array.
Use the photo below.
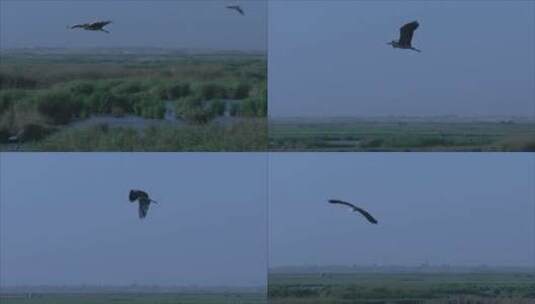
{"type": "Point", "coordinates": [236, 8]}
{"type": "Point", "coordinates": [405, 37]}
{"type": "Point", "coordinates": [94, 26]}
{"type": "Point", "coordinates": [365, 213]}
{"type": "Point", "coordinates": [144, 201]}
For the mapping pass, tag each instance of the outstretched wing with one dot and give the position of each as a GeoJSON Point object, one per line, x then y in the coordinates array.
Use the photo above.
{"type": "Point", "coordinates": [77, 26]}
{"type": "Point", "coordinates": [368, 216]}
{"type": "Point", "coordinates": [100, 24]}
{"type": "Point", "coordinates": [236, 8]}
{"type": "Point", "coordinates": [365, 213]}
{"type": "Point", "coordinates": [137, 194]}
{"type": "Point", "coordinates": [406, 32]}
{"type": "Point", "coordinates": [342, 203]}
{"type": "Point", "coordinates": [143, 208]}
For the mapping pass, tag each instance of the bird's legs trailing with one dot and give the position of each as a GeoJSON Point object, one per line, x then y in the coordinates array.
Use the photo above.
{"type": "Point", "coordinates": [103, 30]}
{"type": "Point", "coordinates": [415, 49]}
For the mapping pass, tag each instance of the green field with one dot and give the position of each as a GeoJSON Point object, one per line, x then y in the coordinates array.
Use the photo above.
{"type": "Point", "coordinates": [132, 99]}
{"type": "Point", "coordinates": [368, 135]}
{"type": "Point", "coordinates": [141, 298]}
{"type": "Point", "coordinates": [402, 288]}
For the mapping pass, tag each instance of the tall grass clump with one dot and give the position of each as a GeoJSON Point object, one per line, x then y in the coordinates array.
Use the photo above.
{"type": "Point", "coordinates": [241, 91]}
{"type": "Point", "coordinates": [250, 107]}
{"type": "Point", "coordinates": [176, 91]}
{"type": "Point", "coordinates": [212, 90]}
{"type": "Point", "coordinates": [148, 106]}
{"type": "Point", "coordinates": [9, 97]}
{"type": "Point", "coordinates": [197, 111]}
{"type": "Point", "coordinates": [58, 106]}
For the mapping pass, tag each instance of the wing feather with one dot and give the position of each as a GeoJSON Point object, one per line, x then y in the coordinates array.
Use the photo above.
{"type": "Point", "coordinates": [341, 203]}
{"type": "Point", "coordinates": [143, 208]}
{"type": "Point", "coordinates": [100, 24]}
{"type": "Point", "coordinates": [236, 8]}
{"type": "Point", "coordinates": [365, 213]}
{"type": "Point", "coordinates": [406, 32]}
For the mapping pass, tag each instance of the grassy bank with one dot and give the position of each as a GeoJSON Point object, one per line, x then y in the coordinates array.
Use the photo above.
{"type": "Point", "coordinates": [402, 288]}
{"type": "Point", "coordinates": [401, 136]}
{"type": "Point", "coordinates": [164, 298]}
{"type": "Point", "coordinates": [247, 135]}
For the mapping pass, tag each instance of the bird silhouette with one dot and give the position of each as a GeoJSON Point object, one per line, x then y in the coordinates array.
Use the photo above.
{"type": "Point", "coordinates": [143, 199]}
{"type": "Point", "coordinates": [406, 32]}
{"type": "Point", "coordinates": [94, 26]}
{"type": "Point", "coordinates": [236, 8]}
{"type": "Point", "coordinates": [365, 213]}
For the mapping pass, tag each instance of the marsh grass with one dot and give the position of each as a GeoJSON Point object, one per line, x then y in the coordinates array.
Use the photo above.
{"type": "Point", "coordinates": [402, 288]}
{"type": "Point", "coordinates": [249, 135]}
{"type": "Point", "coordinates": [49, 91]}
{"type": "Point", "coordinates": [395, 136]}
{"type": "Point", "coordinates": [136, 298]}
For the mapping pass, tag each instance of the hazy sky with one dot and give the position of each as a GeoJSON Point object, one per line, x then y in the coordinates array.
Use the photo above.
{"type": "Point", "coordinates": [440, 208]}
{"type": "Point", "coordinates": [66, 219]}
{"type": "Point", "coordinates": [330, 58]}
{"type": "Point", "coordinates": [142, 23]}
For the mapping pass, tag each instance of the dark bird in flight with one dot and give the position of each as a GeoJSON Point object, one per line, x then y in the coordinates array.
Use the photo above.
{"type": "Point", "coordinates": [365, 213]}
{"type": "Point", "coordinates": [236, 8]}
{"type": "Point", "coordinates": [144, 201]}
{"type": "Point", "coordinates": [405, 37]}
{"type": "Point", "coordinates": [94, 26]}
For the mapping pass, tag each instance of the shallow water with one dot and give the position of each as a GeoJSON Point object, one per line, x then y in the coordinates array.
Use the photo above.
{"type": "Point", "coordinates": [127, 121]}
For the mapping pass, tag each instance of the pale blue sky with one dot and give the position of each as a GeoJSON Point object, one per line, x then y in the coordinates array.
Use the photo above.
{"type": "Point", "coordinates": [461, 209]}
{"type": "Point", "coordinates": [330, 58]}
{"type": "Point", "coordinates": [143, 23]}
{"type": "Point", "coordinates": [68, 214]}
{"type": "Point", "coordinates": [66, 219]}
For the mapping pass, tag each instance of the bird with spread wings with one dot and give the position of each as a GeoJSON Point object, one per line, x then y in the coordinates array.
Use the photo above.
{"type": "Point", "coordinates": [143, 199]}
{"type": "Point", "coordinates": [236, 8]}
{"type": "Point", "coordinates": [406, 32]}
{"type": "Point", "coordinates": [365, 213]}
{"type": "Point", "coordinates": [93, 26]}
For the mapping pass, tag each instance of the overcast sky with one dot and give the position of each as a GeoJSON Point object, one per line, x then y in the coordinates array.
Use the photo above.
{"type": "Point", "coordinates": [330, 58]}
{"type": "Point", "coordinates": [66, 219]}
{"type": "Point", "coordinates": [441, 208]}
{"type": "Point", "coordinates": [143, 23]}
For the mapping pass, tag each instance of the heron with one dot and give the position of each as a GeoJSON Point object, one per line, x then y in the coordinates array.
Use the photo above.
{"type": "Point", "coordinates": [17, 137]}
{"type": "Point", "coordinates": [143, 199]}
{"type": "Point", "coordinates": [236, 8]}
{"type": "Point", "coordinates": [354, 208]}
{"type": "Point", "coordinates": [94, 26]}
{"type": "Point", "coordinates": [405, 37]}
